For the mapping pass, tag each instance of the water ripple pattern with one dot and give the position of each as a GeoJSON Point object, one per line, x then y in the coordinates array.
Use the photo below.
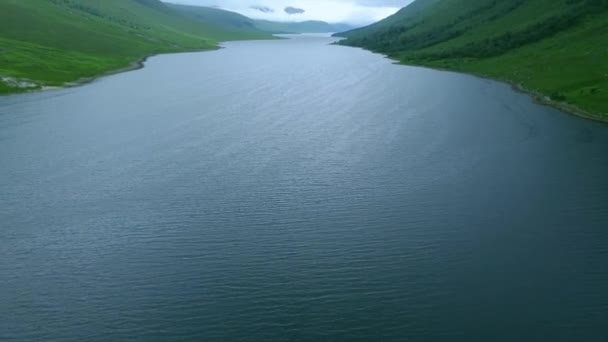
{"type": "Point", "coordinates": [294, 190]}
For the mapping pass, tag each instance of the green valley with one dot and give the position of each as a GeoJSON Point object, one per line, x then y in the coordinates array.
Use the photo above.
{"type": "Point", "coordinates": [555, 49]}
{"type": "Point", "coordinates": [53, 42]}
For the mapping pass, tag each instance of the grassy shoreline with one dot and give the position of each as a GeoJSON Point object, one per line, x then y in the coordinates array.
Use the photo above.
{"type": "Point", "coordinates": [62, 43]}
{"type": "Point", "coordinates": [137, 64]}
{"type": "Point", "coordinates": [537, 96]}
{"type": "Point", "coordinates": [553, 50]}
{"type": "Point", "coordinates": [563, 106]}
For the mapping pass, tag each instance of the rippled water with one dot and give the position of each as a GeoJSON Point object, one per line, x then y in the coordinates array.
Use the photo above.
{"type": "Point", "coordinates": [293, 190]}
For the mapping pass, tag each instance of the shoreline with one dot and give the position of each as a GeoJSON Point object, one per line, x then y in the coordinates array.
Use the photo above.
{"type": "Point", "coordinates": [136, 64]}
{"type": "Point", "coordinates": [538, 97]}
{"type": "Point", "coordinates": [545, 100]}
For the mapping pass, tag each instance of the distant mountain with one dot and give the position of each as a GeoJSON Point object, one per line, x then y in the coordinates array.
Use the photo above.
{"type": "Point", "coordinates": [556, 48]}
{"type": "Point", "coordinates": [310, 26]}
{"type": "Point", "coordinates": [233, 21]}
{"type": "Point", "coordinates": [51, 42]}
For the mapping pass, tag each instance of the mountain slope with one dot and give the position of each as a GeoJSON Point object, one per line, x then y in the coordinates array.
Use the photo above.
{"type": "Point", "coordinates": [225, 20]}
{"type": "Point", "coordinates": [554, 48]}
{"type": "Point", "coordinates": [51, 42]}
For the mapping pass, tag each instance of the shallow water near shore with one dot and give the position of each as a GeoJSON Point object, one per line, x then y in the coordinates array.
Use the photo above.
{"type": "Point", "coordinates": [296, 190]}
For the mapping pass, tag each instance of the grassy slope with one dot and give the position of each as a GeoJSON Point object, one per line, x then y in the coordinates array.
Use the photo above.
{"type": "Point", "coordinates": [232, 25]}
{"type": "Point", "coordinates": [552, 47]}
{"type": "Point", "coordinates": [57, 41]}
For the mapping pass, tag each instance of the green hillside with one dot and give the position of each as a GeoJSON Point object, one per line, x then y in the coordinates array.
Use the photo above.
{"type": "Point", "coordinates": [52, 42]}
{"type": "Point", "coordinates": [227, 21]}
{"type": "Point", "coordinates": [556, 49]}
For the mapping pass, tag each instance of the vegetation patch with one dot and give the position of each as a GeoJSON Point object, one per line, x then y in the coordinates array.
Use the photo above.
{"type": "Point", "coordinates": [552, 47]}
{"type": "Point", "coordinates": [54, 42]}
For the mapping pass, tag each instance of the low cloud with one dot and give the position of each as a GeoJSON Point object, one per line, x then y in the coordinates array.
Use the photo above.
{"type": "Point", "coordinates": [294, 10]}
{"type": "Point", "coordinates": [263, 9]}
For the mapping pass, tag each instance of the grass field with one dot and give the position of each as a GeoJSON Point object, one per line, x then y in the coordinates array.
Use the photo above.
{"type": "Point", "coordinates": [557, 49]}
{"type": "Point", "coordinates": [52, 42]}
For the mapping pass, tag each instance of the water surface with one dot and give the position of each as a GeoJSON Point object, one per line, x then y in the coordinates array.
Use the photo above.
{"type": "Point", "coordinates": [294, 190]}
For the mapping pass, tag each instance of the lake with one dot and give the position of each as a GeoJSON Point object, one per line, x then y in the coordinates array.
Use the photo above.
{"type": "Point", "coordinates": [297, 190]}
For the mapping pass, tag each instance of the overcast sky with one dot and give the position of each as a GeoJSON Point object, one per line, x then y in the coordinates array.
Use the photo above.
{"type": "Point", "coordinates": [357, 12]}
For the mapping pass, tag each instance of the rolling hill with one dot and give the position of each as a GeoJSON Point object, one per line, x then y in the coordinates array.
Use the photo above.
{"type": "Point", "coordinates": [54, 42]}
{"type": "Point", "coordinates": [228, 21]}
{"type": "Point", "coordinates": [555, 49]}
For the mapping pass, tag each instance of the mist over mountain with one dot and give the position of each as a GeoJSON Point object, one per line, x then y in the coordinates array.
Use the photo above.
{"type": "Point", "coordinates": [354, 12]}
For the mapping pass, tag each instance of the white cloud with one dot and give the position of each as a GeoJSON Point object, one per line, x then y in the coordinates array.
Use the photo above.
{"type": "Point", "coordinates": [357, 12]}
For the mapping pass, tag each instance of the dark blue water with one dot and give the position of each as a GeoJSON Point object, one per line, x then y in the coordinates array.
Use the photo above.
{"type": "Point", "coordinates": [293, 190]}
